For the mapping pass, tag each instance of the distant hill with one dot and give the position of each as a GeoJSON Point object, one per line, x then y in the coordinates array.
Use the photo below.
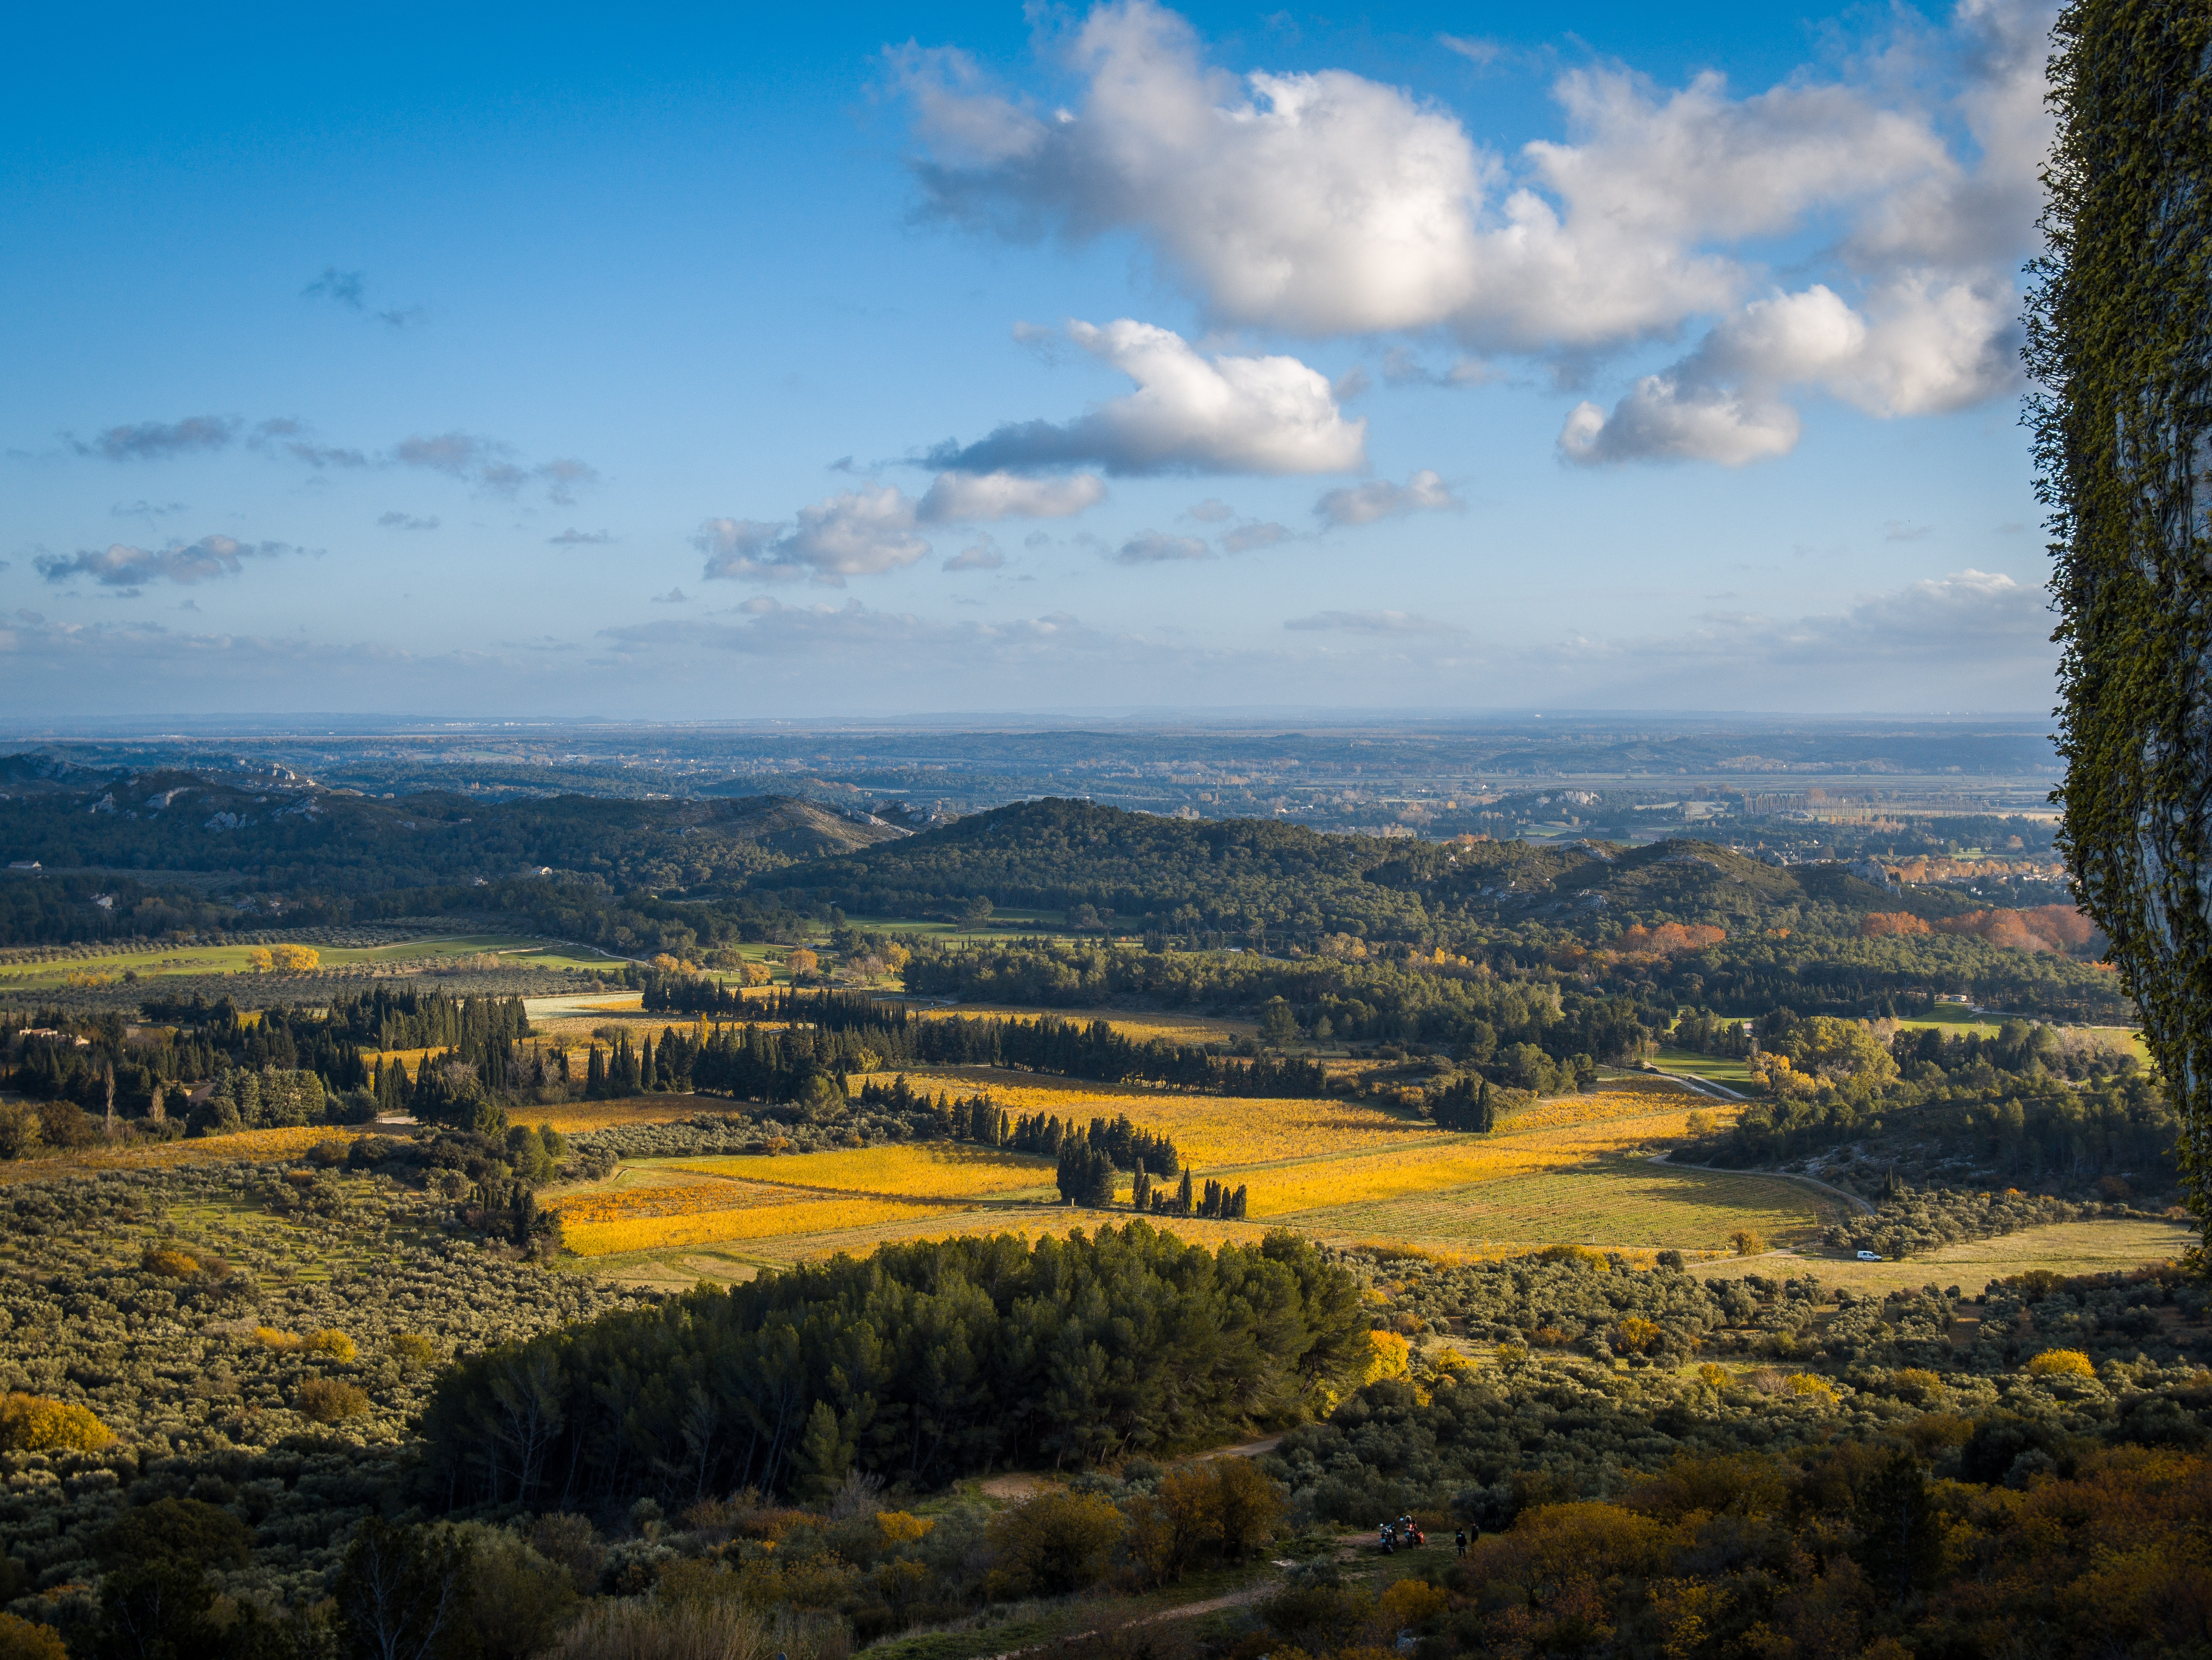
{"type": "Point", "coordinates": [1056, 855]}
{"type": "Point", "coordinates": [277, 829]}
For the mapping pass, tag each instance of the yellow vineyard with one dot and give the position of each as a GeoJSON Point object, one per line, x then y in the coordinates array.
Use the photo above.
{"type": "Point", "coordinates": [773, 1219]}
{"type": "Point", "coordinates": [1208, 1130]}
{"type": "Point", "coordinates": [1578, 1168]}
{"type": "Point", "coordinates": [934, 1169]}
{"type": "Point", "coordinates": [1364, 1179]}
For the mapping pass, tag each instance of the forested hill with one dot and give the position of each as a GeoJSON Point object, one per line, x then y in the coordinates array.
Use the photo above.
{"type": "Point", "coordinates": [281, 831]}
{"type": "Point", "coordinates": [1235, 874]}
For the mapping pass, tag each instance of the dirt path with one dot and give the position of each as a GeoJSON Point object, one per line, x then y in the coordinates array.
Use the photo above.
{"type": "Point", "coordinates": [1235, 1599]}
{"type": "Point", "coordinates": [1706, 1086]}
{"type": "Point", "coordinates": [1850, 1199]}
{"type": "Point", "coordinates": [1244, 1450]}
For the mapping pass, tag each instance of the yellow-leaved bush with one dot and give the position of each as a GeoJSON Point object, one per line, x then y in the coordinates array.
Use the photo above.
{"type": "Point", "coordinates": [2061, 1362]}
{"type": "Point", "coordinates": [38, 1423]}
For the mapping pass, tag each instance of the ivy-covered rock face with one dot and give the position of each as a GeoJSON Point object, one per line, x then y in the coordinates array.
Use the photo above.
{"type": "Point", "coordinates": [2120, 337]}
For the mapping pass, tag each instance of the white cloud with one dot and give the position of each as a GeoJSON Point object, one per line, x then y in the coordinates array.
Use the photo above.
{"type": "Point", "coordinates": [1330, 203]}
{"type": "Point", "coordinates": [1362, 504]}
{"type": "Point", "coordinates": [856, 532]}
{"type": "Point", "coordinates": [1926, 346]}
{"type": "Point", "coordinates": [1188, 414]}
{"type": "Point", "coordinates": [1327, 203]}
{"type": "Point", "coordinates": [1660, 420]}
{"type": "Point", "coordinates": [1371, 622]}
{"type": "Point", "coordinates": [1154, 547]}
{"type": "Point", "coordinates": [396, 521]}
{"type": "Point", "coordinates": [971, 497]}
{"type": "Point", "coordinates": [1479, 52]}
{"type": "Point", "coordinates": [122, 566]}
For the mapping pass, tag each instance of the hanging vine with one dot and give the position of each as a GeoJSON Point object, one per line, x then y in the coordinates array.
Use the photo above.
{"type": "Point", "coordinates": [2119, 341]}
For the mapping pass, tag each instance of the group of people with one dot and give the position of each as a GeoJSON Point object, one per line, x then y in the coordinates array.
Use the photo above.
{"type": "Point", "coordinates": [1405, 1534]}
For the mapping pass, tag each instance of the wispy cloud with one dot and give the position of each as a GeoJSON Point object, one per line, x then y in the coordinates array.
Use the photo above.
{"type": "Point", "coordinates": [346, 289]}
{"type": "Point", "coordinates": [1362, 504]}
{"type": "Point", "coordinates": [287, 435]}
{"type": "Point", "coordinates": [398, 520]}
{"type": "Point", "coordinates": [122, 566]}
{"type": "Point", "coordinates": [982, 553]}
{"type": "Point", "coordinates": [488, 464]}
{"type": "Point", "coordinates": [1372, 623]}
{"type": "Point", "coordinates": [161, 441]}
{"type": "Point", "coordinates": [1154, 547]}
{"type": "Point", "coordinates": [573, 537]}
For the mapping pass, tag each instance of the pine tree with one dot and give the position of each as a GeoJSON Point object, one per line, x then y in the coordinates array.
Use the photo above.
{"type": "Point", "coordinates": [818, 1467]}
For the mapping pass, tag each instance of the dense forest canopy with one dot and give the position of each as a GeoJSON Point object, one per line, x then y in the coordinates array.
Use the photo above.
{"type": "Point", "coordinates": [924, 1363]}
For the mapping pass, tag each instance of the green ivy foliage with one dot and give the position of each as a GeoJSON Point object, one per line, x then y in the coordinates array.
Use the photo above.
{"type": "Point", "coordinates": [2120, 339]}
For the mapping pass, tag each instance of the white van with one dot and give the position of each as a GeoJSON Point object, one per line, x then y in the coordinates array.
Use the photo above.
{"type": "Point", "coordinates": [1870, 1257]}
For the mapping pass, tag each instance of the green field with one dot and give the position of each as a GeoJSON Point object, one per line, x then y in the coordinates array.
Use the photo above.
{"type": "Point", "coordinates": [1958, 1019]}
{"type": "Point", "coordinates": [1622, 1199]}
{"type": "Point", "coordinates": [1722, 1069]}
{"type": "Point", "coordinates": [158, 961]}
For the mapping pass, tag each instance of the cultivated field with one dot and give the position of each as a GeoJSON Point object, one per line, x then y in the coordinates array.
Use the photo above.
{"type": "Point", "coordinates": [29, 973]}
{"type": "Point", "coordinates": [1572, 1167]}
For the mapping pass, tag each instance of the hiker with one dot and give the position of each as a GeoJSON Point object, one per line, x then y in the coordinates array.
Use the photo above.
{"type": "Point", "coordinates": [1459, 1541]}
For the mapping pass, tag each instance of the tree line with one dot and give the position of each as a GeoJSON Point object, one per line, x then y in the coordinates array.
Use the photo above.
{"type": "Point", "coordinates": [856, 1025]}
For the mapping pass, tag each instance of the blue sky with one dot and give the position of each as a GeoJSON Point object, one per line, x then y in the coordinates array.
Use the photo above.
{"type": "Point", "coordinates": [854, 361]}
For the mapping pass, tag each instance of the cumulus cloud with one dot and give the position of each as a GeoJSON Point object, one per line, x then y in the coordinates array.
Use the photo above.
{"type": "Point", "coordinates": [970, 497]}
{"type": "Point", "coordinates": [1926, 345]}
{"type": "Point", "coordinates": [1372, 622]}
{"type": "Point", "coordinates": [1362, 504]}
{"type": "Point", "coordinates": [1189, 414]}
{"type": "Point", "coordinates": [160, 440]}
{"type": "Point", "coordinates": [856, 532]}
{"type": "Point", "coordinates": [1329, 203]}
{"type": "Point", "coordinates": [1326, 204]}
{"type": "Point", "coordinates": [1923, 346]}
{"type": "Point", "coordinates": [398, 520]}
{"type": "Point", "coordinates": [1154, 547]}
{"type": "Point", "coordinates": [122, 566]}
